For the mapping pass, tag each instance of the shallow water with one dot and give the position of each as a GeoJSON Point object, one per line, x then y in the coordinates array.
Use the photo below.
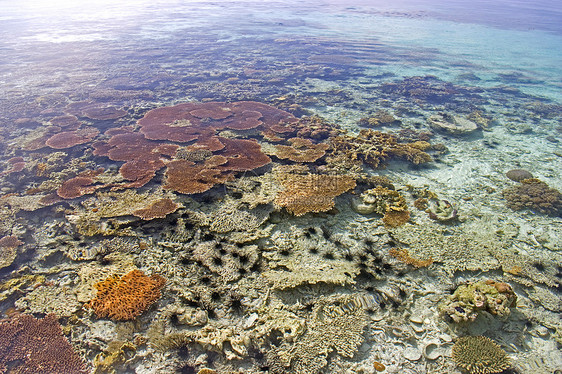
{"type": "Point", "coordinates": [333, 199]}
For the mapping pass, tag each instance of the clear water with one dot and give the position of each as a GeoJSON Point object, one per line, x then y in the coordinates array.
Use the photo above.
{"type": "Point", "coordinates": [497, 65]}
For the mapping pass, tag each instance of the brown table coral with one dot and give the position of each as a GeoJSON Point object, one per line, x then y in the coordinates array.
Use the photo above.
{"type": "Point", "coordinates": [30, 345]}
{"type": "Point", "coordinates": [301, 150]}
{"type": "Point", "coordinates": [127, 297]}
{"type": "Point", "coordinates": [311, 192]}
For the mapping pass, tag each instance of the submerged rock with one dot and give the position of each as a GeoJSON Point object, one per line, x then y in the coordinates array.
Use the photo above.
{"type": "Point", "coordinates": [452, 124]}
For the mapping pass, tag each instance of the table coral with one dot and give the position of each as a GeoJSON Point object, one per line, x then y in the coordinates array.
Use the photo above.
{"type": "Point", "coordinates": [469, 299]}
{"type": "Point", "coordinates": [311, 192]}
{"type": "Point", "coordinates": [76, 187]}
{"type": "Point", "coordinates": [480, 355]}
{"type": "Point", "coordinates": [158, 209]}
{"type": "Point", "coordinates": [301, 150]}
{"type": "Point", "coordinates": [36, 346]}
{"type": "Point", "coordinates": [68, 139]}
{"type": "Point", "coordinates": [534, 195]}
{"type": "Point", "coordinates": [127, 297]}
{"type": "Point", "coordinates": [186, 177]}
{"type": "Point", "coordinates": [94, 110]}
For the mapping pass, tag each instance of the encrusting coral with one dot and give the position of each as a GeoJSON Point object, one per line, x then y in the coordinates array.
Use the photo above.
{"type": "Point", "coordinates": [480, 355]}
{"type": "Point", "coordinates": [469, 299]}
{"type": "Point", "coordinates": [36, 346]}
{"type": "Point", "coordinates": [127, 297]}
{"type": "Point", "coordinates": [535, 195]}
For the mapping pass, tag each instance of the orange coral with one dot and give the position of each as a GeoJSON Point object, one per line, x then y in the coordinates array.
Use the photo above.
{"type": "Point", "coordinates": [311, 192]}
{"type": "Point", "coordinates": [395, 218]}
{"type": "Point", "coordinates": [159, 209]}
{"type": "Point", "coordinates": [127, 297]}
{"type": "Point", "coordinates": [403, 255]}
{"type": "Point", "coordinates": [76, 187]}
{"type": "Point", "coordinates": [36, 346]}
{"type": "Point", "coordinates": [301, 150]}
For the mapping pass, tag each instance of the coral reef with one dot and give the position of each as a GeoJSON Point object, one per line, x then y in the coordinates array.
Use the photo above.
{"type": "Point", "coordinates": [311, 192]}
{"type": "Point", "coordinates": [534, 195]}
{"type": "Point", "coordinates": [386, 202]}
{"type": "Point", "coordinates": [380, 118]}
{"type": "Point", "coordinates": [76, 187]}
{"type": "Point", "coordinates": [94, 110]}
{"type": "Point", "coordinates": [127, 297]}
{"type": "Point", "coordinates": [403, 255]}
{"type": "Point", "coordinates": [158, 209]}
{"type": "Point", "coordinates": [47, 299]}
{"type": "Point", "coordinates": [301, 150]}
{"type": "Point", "coordinates": [470, 299]}
{"type": "Point", "coordinates": [336, 325]}
{"type": "Point", "coordinates": [452, 124]}
{"type": "Point", "coordinates": [36, 346]}
{"type": "Point", "coordinates": [375, 149]}
{"type": "Point", "coordinates": [68, 139]}
{"type": "Point", "coordinates": [8, 250]}
{"type": "Point", "coordinates": [480, 355]}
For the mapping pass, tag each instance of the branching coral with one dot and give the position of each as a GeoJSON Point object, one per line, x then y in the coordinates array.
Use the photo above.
{"type": "Point", "coordinates": [535, 195]}
{"type": "Point", "coordinates": [480, 355]}
{"type": "Point", "coordinates": [311, 192]}
{"type": "Point", "coordinates": [36, 346]}
{"type": "Point", "coordinates": [126, 297]}
{"type": "Point", "coordinates": [375, 148]}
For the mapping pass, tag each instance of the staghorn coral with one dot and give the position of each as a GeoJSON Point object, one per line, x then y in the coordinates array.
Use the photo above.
{"type": "Point", "coordinates": [310, 192]}
{"type": "Point", "coordinates": [375, 149]}
{"type": "Point", "coordinates": [301, 150]}
{"type": "Point", "coordinates": [127, 297]}
{"type": "Point", "coordinates": [336, 325]}
{"type": "Point", "coordinates": [36, 346]}
{"type": "Point", "coordinates": [480, 355]}
{"type": "Point", "coordinates": [469, 299]}
{"type": "Point", "coordinates": [389, 203]}
{"type": "Point", "coordinates": [534, 195]}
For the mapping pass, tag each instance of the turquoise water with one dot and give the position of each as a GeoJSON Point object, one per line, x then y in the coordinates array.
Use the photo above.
{"type": "Point", "coordinates": [327, 187]}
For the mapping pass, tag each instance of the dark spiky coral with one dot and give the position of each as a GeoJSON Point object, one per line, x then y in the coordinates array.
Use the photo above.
{"type": "Point", "coordinates": [127, 297]}
{"type": "Point", "coordinates": [36, 346]}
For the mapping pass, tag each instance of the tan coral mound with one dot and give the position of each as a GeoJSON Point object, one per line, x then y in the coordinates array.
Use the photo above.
{"type": "Point", "coordinates": [127, 297]}
{"type": "Point", "coordinates": [311, 192]}
{"type": "Point", "coordinates": [480, 355]}
{"type": "Point", "coordinates": [301, 150]}
{"type": "Point", "coordinates": [36, 346]}
{"type": "Point", "coordinates": [159, 209]}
